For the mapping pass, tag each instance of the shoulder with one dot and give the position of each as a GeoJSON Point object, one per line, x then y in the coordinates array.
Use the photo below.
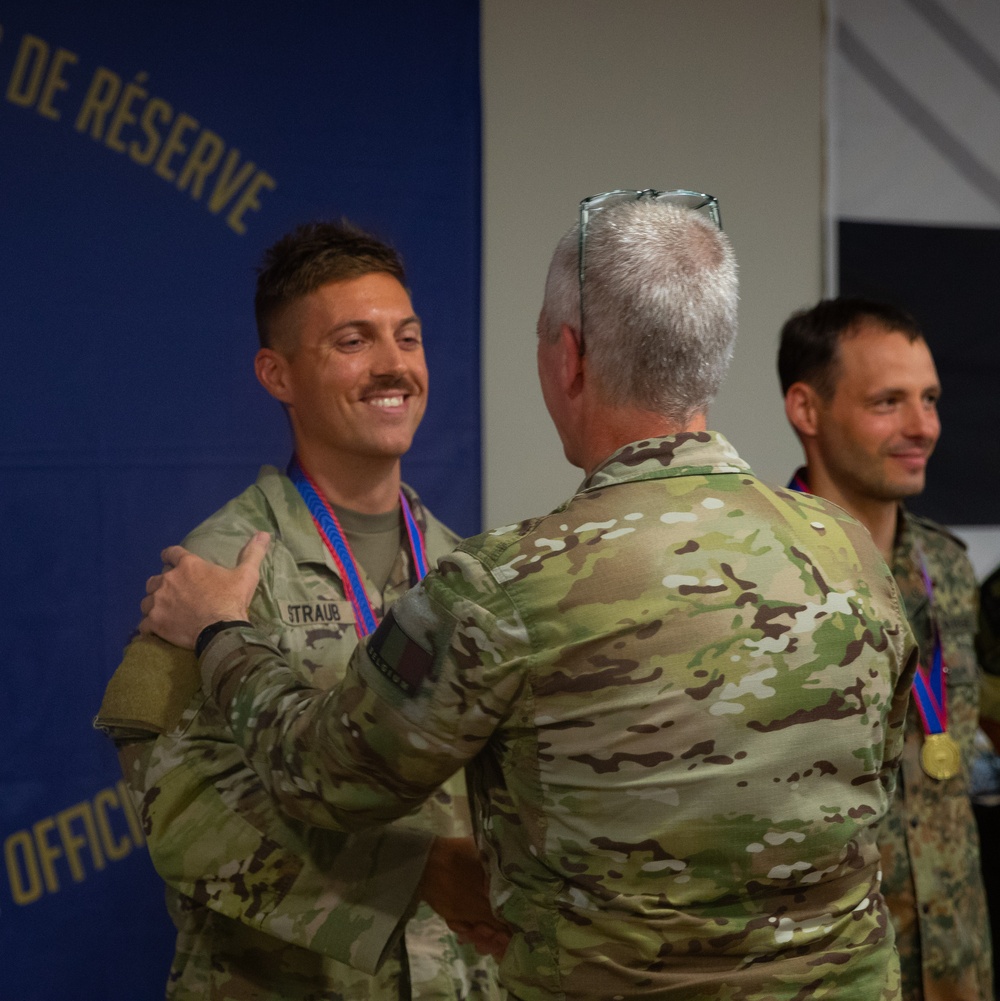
{"type": "Point", "coordinates": [813, 519]}
{"type": "Point", "coordinates": [930, 532]}
{"type": "Point", "coordinates": [944, 552]}
{"type": "Point", "coordinates": [496, 546]}
{"type": "Point", "coordinates": [476, 572]}
{"type": "Point", "coordinates": [222, 535]}
{"type": "Point", "coordinates": [438, 537]}
{"type": "Point", "coordinates": [944, 555]}
{"type": "Point", "coordinates": [810, 507]}
{"type": "Point", "coordinates": [807, 503]}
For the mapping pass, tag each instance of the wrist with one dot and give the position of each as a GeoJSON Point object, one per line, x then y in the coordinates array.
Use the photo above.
{"type": "Point", "coordinates": [213, 629]}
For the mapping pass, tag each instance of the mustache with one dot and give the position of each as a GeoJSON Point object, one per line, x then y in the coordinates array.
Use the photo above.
{"type": "Point", "coordinates": [383, 384]}
{"type": "Point", "coordinates": [923, 444]}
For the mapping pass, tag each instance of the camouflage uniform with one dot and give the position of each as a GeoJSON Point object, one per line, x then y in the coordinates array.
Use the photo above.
{"type": "Point", "coordinates": [930, 844]}
{"type": "Point", "coordinates": [681, 697]}
{"type": "Point", "coordinates": [265, 906]}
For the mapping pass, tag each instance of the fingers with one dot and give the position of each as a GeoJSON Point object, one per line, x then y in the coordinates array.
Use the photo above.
{"type": "Point", "coordinates": [487, 940]}
{"type": "Point", "coordinates": [172, 555]}
{"type": "Point", "coordinates": [191, 593]}
{"type": "Point", "coordinates": [253, 553]}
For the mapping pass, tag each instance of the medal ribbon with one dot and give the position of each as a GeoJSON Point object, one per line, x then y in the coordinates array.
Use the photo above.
{"type": "Point", "coordinates": [365, 619]}
{"type": "Point", "coordinates": [417, 548]}
{"type": "Point", "coordinates": [798, 482]}
{"type": "Point", "coordinates": [928, 685]}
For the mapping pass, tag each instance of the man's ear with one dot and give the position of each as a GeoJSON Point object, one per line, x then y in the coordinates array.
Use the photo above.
{"type": "Point", "coordinates": [271, 368]}
{"type": "Point", "coordinates": [573, 363]}
{"type": "Point", "coordinates": [802, 409]}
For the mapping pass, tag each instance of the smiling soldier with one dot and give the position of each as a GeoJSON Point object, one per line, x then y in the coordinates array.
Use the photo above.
{"type": "Point", "coordinates": [265, 906]}
{"type": "Point", "coordinates": [861, 392]}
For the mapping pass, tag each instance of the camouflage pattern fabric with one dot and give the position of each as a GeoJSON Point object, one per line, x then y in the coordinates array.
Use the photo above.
{"type": "Point", "coordinates": [267, 907]}
{"type": "Point", "coordinates": [930, 844]}
{"type": "Point", "coordinates": [681, 697]}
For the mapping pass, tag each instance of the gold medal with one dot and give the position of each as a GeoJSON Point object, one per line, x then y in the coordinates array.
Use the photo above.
{"type": "Point", "coordinates": [940, 757]}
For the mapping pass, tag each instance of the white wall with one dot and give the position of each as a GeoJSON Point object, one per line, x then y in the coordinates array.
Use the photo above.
{"type": "Point", "coordinates": [582, 96]}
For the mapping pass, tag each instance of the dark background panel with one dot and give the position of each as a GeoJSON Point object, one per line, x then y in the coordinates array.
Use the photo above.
{"type": "Point", "coordinates": [946, 277]}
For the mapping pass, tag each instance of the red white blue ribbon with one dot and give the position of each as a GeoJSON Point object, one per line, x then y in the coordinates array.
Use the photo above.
{"type": "Point", "coordinates": [798, 482]}
{"type": "Point", "coordinates": [365, 619]}
{"type": "Point", "coordinates": [929, 691]}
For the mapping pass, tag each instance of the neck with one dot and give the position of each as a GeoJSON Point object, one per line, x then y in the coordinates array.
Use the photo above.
{"type": "Point", "coordinates": [877, 515]}
{"type": "Point", "coordinates": [612, 428]}
{"type": "Point", "coordinates": [360, 483]}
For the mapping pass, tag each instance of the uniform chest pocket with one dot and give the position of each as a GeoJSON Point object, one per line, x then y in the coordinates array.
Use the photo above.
{"type": "Point", "coordinates": [963, 671]}
{"type": "Point", "coordinates": [958, 646]}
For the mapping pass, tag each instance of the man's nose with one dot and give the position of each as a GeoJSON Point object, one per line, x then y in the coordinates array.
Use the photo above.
{"type": "Point", "coordinates": [388, 358]}
{"type": "Point", "coordinates": [922, 421]}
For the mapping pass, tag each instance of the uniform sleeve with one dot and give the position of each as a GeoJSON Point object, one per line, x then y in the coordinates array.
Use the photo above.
{"type": "Point", "coordinates": [215, 834]}
{"type": "Point", "coordinates": [907, 656]}
{"type": "Point", "coordinates": [901, 647]}
{"type": "Point", "coordinates": [420, 699]}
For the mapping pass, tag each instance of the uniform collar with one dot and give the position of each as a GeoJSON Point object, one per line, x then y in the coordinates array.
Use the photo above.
{"type": "Point", "coordinates": [294, 525]}
{"type": "Point", "coordinates": [690, 453]}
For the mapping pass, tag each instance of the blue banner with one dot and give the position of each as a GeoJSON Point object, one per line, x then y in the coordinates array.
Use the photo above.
{"type": "Point", "coordinates": [149, 153]}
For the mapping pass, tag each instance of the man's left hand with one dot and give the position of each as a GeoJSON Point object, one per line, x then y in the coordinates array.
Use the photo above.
{"type": "Point", "coordinates": [192, 593]}
{"type": "Point", "coordinates": [456, 886]}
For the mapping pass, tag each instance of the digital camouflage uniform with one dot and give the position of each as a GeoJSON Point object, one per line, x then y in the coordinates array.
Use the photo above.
{"type": "Point", "coordinates": [265, 906]}
{"type": "Point", "coordinates": [682, 697]}
{"type": "Point", "coordinates": [930, 844]}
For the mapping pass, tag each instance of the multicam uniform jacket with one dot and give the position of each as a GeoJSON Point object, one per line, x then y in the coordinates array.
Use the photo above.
{"type": "Point", "coordinates": [267, 907]}
{"type": "Point", "coordinates": [681, 696]}
{"type": "Point", "coordinates": [930, 844]}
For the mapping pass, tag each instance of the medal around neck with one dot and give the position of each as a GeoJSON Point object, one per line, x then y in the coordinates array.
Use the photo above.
{"type": "Point", "coordinates": [940, 757]}
{"type": "Point", "coordinates": [335, 540]}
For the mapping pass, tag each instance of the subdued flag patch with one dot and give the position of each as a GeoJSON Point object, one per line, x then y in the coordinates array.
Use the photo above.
{"type": "Point", "coordinates": [398, 657]}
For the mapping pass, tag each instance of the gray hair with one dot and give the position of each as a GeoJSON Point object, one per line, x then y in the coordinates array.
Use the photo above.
{"type": "Point", "coordinates": [660, 299]}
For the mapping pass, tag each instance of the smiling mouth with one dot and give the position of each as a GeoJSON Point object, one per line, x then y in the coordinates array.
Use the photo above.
{"type": "Point", "coordinates": [912, 459]}
{"type": "Point", "coordinates": [386, 402]}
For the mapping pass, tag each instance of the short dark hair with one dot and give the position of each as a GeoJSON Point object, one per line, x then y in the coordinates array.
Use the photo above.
{"type": "Point", "coordinates": [311, 256]}
{"type": "Point", "coordinates": [811, 338]}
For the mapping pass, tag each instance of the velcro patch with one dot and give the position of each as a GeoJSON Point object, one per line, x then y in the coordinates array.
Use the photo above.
{"type": "Point", "coordinates": [316, 613]}
{"type": "Point", "coordinates": [397, 657]}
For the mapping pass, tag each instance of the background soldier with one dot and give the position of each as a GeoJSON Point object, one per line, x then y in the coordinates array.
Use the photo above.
{"type": "Point", "coordinates": [861, 392]}
{"type": "Point", "coordinates": [680, 695]}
